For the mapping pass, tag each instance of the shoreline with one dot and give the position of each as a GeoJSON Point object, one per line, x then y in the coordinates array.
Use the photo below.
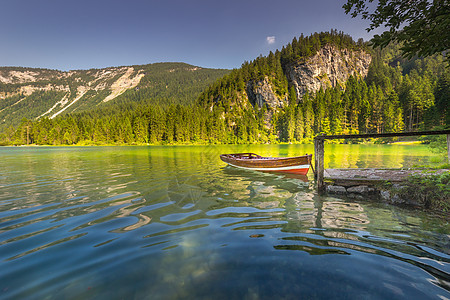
{"type": "Point", "coordinates": [414, 188]}
{"type": "Point", "coordinates": [401, 143]}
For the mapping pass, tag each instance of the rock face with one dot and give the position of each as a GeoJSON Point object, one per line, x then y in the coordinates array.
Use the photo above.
{"type": "Point", "coordinates": [328, 68]}
{"type": "Point", "coordinates": [111, 79]}
{"type": "Point", "coordinates": [260, 93]}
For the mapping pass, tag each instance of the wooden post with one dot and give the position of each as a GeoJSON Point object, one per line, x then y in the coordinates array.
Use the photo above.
{"type": "Point", "coordinates": [318, 159]}
{"type": "Point", "coordinates": [448, 148]}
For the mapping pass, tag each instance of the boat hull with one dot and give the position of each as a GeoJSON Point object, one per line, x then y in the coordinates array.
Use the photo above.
{"type": "Point", "coordinates": [250, 161]}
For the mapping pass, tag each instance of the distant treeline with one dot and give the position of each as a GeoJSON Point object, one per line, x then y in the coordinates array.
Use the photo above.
{"type": "Point", "coordinates": [396, 95]}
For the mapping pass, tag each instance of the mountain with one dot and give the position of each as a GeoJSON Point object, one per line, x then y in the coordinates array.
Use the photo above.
{"type": "Point", "coordinates": [325, 83]}
{"type": "Point", "coordinates": [35, 93]}
{"type": "Point", "coordinates": [330, 67]}
{"type": "Point", "coordinates": [305, 66]}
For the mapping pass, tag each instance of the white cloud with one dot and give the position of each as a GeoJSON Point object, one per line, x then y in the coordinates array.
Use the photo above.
{"type": "Point", "coordinates": [270, 40]}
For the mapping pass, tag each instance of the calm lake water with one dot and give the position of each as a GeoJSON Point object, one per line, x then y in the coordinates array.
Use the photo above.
{"type": "Point", "coordinates": [175, 222]}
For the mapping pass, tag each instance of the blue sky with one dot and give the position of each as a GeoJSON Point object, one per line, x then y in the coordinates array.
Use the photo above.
{"type": "Point", "coordinates": [84, 34]}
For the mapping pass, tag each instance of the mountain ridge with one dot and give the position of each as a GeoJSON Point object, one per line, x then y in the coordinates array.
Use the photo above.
{"type": "Point", "coordinates": [306, 65]}
{"type": "Point", "coordinates": [36, 92]}
{"type": "Point", "coordinates": [258, 103]}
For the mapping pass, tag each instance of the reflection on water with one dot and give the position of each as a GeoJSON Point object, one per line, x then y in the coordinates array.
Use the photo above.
{"type": "Point", "coordinates": [175, 222]}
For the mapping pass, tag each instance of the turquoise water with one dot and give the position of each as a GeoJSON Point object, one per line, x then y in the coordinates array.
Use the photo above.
{"type": "Point", "coordinates": [176, 223]}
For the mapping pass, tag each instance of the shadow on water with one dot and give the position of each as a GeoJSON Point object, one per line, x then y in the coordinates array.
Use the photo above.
{"type": "Point", "coordinates": [285, 181]}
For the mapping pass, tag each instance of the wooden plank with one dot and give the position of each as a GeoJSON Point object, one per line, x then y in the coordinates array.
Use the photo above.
{"type": "Point", "coordinates": [319, 163]}
{"type": "Point", "coordinates": [351, 177]}
{"type": "Point", "coordinates": [348, 182]}
{"type": "Point", "coordinates": [378, 135]}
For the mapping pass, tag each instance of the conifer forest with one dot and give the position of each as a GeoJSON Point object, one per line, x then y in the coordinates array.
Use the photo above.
{"type": "Point", "coordinates": [397, 95]}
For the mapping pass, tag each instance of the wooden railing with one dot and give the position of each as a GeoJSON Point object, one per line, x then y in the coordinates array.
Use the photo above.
{"type": "Point", "coordinates": [319, 150]}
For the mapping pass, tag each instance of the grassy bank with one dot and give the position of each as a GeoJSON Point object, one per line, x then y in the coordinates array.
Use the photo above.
{"type": "Point", "coordinates": [431, 191]}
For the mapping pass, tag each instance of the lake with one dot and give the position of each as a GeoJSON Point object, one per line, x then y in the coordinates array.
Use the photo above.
{"type": "Point", "coordinates": [173, 222]}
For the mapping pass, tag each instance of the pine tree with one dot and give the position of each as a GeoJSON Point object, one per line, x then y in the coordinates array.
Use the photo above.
{"type": "Point", "coordinates": [443, 100]}
{"type": "Point", "coordinates": [299, 124]}
{"type": "Point", "coordinates": [308, 114]}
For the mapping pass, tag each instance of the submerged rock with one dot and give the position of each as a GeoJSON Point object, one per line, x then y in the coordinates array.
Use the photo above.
{"type": "Point", "coordinates": [385, 195]}
{"type": "Point", "coordinates": [360, 189]}
{"type": "Point", "coordinates": [355, 196]}
{"type": "Point", "coordinates": [336, 189]}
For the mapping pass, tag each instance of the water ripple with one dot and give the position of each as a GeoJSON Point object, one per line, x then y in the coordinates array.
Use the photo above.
{"type": "Point", "coordinates": [174, 223]}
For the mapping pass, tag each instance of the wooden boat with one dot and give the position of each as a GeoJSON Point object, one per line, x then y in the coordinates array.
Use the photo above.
{"type": "Point", "coordinates": [252, 161]}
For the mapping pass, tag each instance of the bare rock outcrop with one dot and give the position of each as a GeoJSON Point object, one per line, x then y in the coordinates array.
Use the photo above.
{"type": "Point", "coordinates": [329, 67]}
{"type": "Point", "coordinates": [261, 92]}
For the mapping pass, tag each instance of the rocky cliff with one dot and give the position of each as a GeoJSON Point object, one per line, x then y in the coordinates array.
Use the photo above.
{"type": "Point", "coordinates": [261, 92]}
{"type": "Point", "coordinates": [329, 67]}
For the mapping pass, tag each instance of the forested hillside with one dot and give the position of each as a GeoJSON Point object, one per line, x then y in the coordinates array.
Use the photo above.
{"type": "Point", "coordinates": [265, 101]}
{"type": "Point", "coordinates": [37, 93]}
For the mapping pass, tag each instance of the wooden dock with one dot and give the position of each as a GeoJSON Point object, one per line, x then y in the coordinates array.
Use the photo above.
{"type": "Point", "coordinates": [370, 177]}
{"type": "Point", "coordinates": [357, 177]}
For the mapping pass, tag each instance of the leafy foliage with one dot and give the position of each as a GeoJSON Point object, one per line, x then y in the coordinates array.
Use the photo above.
{"type": "Point", "coordinates": [431, 190]}
{"type": "Point", "coordinates": [421, 26]}
{"type": "Point", "coordinates": [437, 143]}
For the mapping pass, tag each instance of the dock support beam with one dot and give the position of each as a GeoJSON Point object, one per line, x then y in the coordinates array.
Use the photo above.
{"type": "Point", "coordinates": [319, 164]}
{"type": "Point", "coordinates": [448, 148]}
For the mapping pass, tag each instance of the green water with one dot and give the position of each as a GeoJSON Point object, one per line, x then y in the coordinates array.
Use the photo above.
{"type": "Point", "coordinates": [176, 223]}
